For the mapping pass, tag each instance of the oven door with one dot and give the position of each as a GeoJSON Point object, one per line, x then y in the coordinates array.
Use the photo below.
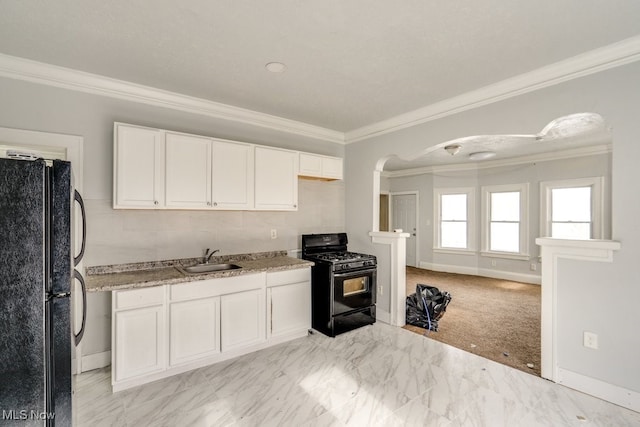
{"type": "Point", "coordinates": [354, 290]}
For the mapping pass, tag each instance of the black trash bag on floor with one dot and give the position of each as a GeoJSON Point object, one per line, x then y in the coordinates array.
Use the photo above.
{"type": "Point", "coordinates": [427, 306]}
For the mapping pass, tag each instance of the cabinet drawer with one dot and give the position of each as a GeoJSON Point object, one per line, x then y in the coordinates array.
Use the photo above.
{"type": "Point", "coordinates": [139, 297]}
{"type": "Point", "coordinates": [289, 276]}
{"type": "Point", "coordinates": [215, 287]}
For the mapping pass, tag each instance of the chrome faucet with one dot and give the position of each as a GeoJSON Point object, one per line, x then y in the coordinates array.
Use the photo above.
{"type": "Point", "coordinates": [208, 255]}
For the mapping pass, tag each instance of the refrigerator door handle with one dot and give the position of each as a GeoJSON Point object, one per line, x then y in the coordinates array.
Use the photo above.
{"type": "Point", "coordinates": [78, 276]}
{"type": "Point", "coordinates": [78, 198]}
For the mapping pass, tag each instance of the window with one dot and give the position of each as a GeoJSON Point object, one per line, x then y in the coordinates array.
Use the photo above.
{"type": "Point", "coordinates": [505, 220]}
{"type": "Point", "coordinates": [454, 225]}
{"type": "Point", "coordinates": [572, 209]}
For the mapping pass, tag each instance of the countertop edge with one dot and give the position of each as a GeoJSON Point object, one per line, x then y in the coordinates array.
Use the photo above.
{"type": "Point", "coordinates": [94, 281]}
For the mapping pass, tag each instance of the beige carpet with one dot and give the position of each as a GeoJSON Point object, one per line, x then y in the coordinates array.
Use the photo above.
{"type": "Point", "coordinates": [496, 319]}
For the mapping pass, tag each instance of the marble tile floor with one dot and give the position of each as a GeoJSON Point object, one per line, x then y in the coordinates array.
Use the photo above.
{"type": "Point", "coordinates": [378, 375]}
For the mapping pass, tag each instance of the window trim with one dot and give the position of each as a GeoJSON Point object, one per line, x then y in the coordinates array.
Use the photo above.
{"type": "Point", "coordinates": [471, 219]}
{"type": "Point", "coordinates": [597, 206]}
{"type": "Point", "coordinates": [523, 189]}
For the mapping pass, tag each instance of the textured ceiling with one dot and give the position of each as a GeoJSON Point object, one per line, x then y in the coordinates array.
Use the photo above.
{"type": "Point", "coordinates": [570, 132]}
{"type": "Point", "coordinates": [349, 63]}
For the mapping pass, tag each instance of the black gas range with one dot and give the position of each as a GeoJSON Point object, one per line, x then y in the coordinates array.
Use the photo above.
{"type": "Point", "coordinates": [343, 284]}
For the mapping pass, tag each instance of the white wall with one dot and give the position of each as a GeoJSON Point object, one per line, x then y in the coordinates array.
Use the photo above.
{"type": "Point", "coordinates": [532, 173]}
{"type": "Point", "coordinates": [130, 236]}
{"type": "Point", "coordinates": [613, 94]}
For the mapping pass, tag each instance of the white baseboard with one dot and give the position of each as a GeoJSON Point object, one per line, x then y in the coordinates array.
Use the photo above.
{"type": "Point", "coordinates": [383, 316]}
{"type": "Point", "coordinates": [485, 272]}
{"type": "Point", "coordinates": [611, 393]}
{"type": "Point", "coordinates": [96, 361]}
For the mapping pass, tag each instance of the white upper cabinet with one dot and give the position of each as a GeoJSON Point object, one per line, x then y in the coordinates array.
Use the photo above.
{"type": "Point", "coordinates": [332, 167]}
{"type": "Point", "coordinates": [276, 179]}
{"type": "Point", "coordinates": [232, 175]}
{"type": "Point", "coordinates": [324, 167]}
{"type": "Point", "coordinates": [188, 171]}
{"type": "Point", "coordinates": [161, 169]}
{"type": "Point", "coordinates": [138, 167]}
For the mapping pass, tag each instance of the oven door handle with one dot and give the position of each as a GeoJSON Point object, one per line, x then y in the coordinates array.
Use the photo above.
{"type": "Point", "coordinates": [354, 273]}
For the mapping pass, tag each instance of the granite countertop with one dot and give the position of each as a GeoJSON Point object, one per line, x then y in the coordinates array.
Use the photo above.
{"type": "Point", "coordinates": [156, 273]}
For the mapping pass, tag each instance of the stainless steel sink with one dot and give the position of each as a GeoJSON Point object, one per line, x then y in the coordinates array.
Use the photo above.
{"type": "Point", "coordinates": [208, 268]}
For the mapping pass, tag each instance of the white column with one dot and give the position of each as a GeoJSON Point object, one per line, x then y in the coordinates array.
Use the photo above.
{"type": "Point", "coordinates": [398, 247]}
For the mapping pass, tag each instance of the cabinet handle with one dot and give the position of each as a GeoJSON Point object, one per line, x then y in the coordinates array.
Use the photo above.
{"type": "Point", "coordinates": [215, 203]}
{"type": "Point", "coordinates": [155, 202]}
{"type": "Point", "coordinates": [208, 203]}
{"type": "Point", "coordinates": [295, 206]}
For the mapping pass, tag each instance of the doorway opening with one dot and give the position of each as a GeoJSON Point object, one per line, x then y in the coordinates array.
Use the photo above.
{"type": "Point", "coordinates": [575, 147]}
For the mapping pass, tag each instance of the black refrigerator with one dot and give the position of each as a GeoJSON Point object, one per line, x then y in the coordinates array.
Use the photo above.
{"type": "Point", "coordinates": [36, 276]}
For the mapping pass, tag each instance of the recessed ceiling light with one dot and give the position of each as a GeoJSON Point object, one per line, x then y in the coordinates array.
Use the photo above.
{"type": "Point", "coordinates": [275, 67]}
{"type": "Point", "coordinates": [482, 155]}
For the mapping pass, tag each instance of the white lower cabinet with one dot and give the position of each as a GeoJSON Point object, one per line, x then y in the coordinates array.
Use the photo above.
{"type": "Point", "coordinates": [194, 329]}
{"type": "Point", "coordinates": [290, 308]}
{"type": "Point", "coordinates": [139, 342]}
{"type": "Point", "coordinates": [288, 303]}
{"type": "Point", "coordinates": [165, 330]}
{"type": "Point", "coordinates": [242, 319]}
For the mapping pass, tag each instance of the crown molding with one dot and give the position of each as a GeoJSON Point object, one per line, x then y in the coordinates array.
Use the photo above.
{"type": "Point", "coordinates": [611, 56]}
{"type": "Point", "coordinates": [592, 150]}
{"type": "Point", "coordinates": [594, 61]}
{"type": "Point", "coordinates": [37, 72]}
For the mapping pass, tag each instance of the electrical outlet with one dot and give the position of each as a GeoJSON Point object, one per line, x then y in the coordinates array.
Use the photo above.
{"type": "Point", "coordinates": [274, 233]}
{"type": "Point", "coordinates": [590, 340]}
{"type": "Point", "coordinates": [534, 266]}
{"type": "Point", "coordinates": [494, 263]}
{"type": "Point", "coordinates": [380, 290]}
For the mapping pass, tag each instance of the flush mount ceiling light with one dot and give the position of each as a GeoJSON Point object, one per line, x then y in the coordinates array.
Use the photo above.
{"type": "Point", "coordinates": [453, 149]}
{"type": "Point", "coordinates": [482, 155]}
{"type": "Point", "coordinates": [275, 67]}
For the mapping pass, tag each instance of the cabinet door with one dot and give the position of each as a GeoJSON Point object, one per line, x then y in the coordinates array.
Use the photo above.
{"type": "Point", "coordinates": [242, 319]}
{"type": "Point", "coordinates": [232, 175]}
{"type": "Point", "coordinates": [310, 165]}
{"type": "Point", "coordinates": [139, 342]}
{"type": "Point", "coordinates": [289, 308]}
{"type": "Point", "coordinates": [276, 179]}
{"type": "Point", "coordinates": [194, 330]}
{"type": "Point", "coordinates": [138, 167]}
{"type": "Point", "coordinates": [332, 167]}
{"type": "Point", "coordinates": [188, 171]}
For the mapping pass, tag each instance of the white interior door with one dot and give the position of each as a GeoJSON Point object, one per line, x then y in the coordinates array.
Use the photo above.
{"type": "Point", "coordinates": [404, 214]}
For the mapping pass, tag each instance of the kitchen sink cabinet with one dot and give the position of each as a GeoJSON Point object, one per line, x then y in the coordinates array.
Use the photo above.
{"type": "Point", "coordinates": [138, 167]}
{"type": "Point", "coordinates": [165, 330]}
{"type": "Point", "coordinates": [276, 179]}
{"type": "Point", "coordinates": [188, 174]}
{"type": "Point", "coordinates": [322, 167]}
{"type": "Point", "coordinates": [194, 329]}
{"type": "Point", "coordinates": [288, 303]}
